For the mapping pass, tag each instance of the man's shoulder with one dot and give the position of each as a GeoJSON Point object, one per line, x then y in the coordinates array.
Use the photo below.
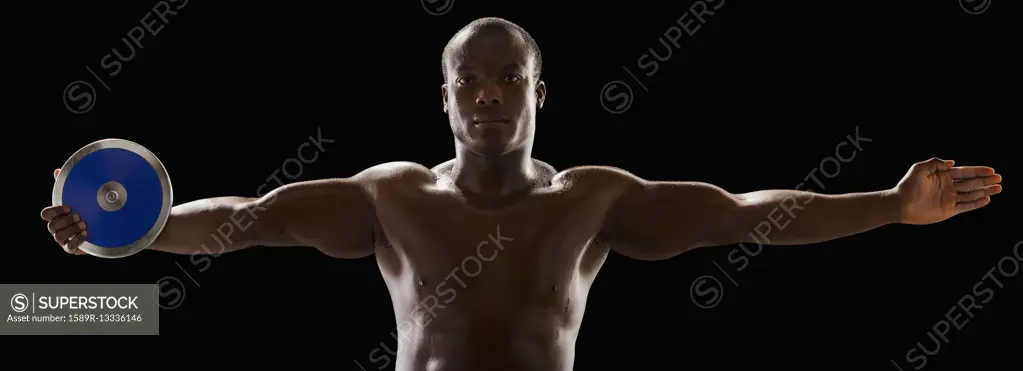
{"type": "Point", "coordinates": [596, 175]}
{"type": "Point", "coordinates": [603, 182]}
{"type": "Point", "coordinates": [390, 175]}
{"type": "Point", "coordinates": [395, 172]}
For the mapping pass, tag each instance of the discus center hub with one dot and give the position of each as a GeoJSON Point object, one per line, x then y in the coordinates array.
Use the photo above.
{"type": "Point", "coordinates": [111, 196]}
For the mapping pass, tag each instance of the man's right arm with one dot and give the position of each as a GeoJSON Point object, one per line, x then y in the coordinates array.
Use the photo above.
{"type": "Point", "coordinates": [334, 216]}
{"type": "Point", "coordinates": [331, 215]}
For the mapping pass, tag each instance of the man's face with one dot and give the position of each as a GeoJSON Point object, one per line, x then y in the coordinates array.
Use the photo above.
{"type": "Point", "coordinates": [491, 94]}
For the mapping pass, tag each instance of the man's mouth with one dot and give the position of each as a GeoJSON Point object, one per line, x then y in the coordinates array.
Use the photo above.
{"type": "Point", "coordinates": [489, 122]}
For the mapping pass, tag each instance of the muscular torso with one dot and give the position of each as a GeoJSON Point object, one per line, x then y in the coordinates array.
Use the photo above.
{"type": "Point", "coordinates": [487, 288]}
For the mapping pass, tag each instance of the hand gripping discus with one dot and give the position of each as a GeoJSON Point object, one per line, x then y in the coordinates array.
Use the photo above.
{"type": "Point", "coordinates": [121, 191]}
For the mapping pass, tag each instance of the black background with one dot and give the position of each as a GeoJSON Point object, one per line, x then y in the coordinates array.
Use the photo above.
{"type": "Point", "coordinates": [755, 99]}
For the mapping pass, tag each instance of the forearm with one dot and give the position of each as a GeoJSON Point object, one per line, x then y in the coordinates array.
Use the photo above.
{"type": "Point", "coordinates": [790, 217]}
{"type": "Point", "coordinates": [208, 226]}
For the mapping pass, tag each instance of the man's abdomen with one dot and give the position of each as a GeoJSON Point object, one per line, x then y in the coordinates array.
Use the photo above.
{"type": "Point", "coordinates": [523, 341]}
{"type": "Point", "coordinates": [520, 311]}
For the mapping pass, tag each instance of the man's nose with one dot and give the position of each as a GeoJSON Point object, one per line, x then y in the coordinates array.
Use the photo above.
{"type": "Point", "coordinates": [489, 94]}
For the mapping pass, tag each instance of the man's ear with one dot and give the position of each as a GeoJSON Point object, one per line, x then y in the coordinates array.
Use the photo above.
{"type": "Point", "coordinates": [541, 94]}
{"type": "Point", "coordinates": [444, 96]}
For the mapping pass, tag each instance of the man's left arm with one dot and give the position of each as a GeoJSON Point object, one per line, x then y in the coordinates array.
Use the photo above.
{"type": "Point", "coordinates": [653, 220]}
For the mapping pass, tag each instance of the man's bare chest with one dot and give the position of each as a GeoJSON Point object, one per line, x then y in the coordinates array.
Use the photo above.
{"type": "Point", "coordinates": [434, 232]}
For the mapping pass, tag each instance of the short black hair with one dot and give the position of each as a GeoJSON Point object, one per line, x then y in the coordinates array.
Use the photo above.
{"type": "Point", "coordinates": [496, 23]}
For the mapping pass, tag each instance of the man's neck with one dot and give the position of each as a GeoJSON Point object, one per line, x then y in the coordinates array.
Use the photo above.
{"type": "Point", "coordinates": [493, 175]}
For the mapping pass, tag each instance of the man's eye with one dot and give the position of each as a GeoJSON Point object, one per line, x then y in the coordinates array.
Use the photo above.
{"type": "Point", "coordinates": [512, 79]}
{"type": "Point", "coordinates": [464, 80]}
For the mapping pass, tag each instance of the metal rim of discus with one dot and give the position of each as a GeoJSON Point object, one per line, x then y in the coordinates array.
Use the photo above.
{"type": "Point", "coordinates": [165, 183]}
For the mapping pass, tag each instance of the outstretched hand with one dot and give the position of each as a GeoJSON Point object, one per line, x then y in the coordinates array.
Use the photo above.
{"type": "Point", "coordinates": [934, 190]}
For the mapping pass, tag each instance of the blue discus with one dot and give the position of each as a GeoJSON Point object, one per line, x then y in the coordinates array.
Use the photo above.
{"type": "Point", "coordinates": [121, 191]}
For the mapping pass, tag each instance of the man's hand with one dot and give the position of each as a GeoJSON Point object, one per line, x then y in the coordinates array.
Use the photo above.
{"type": "Point", "coordinates": [933, 190]}
{"type": "Point", "coordinates": [66, 227]}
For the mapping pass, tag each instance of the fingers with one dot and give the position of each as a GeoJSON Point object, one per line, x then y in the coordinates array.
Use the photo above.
{"type": "Point", "coordinates": [976, 183]}
{"type": "Point", "coordinates": [67, 229]}
{"type": "Point", "coordinates": [974, 186]}
{"type": "Point", "coordinates": [972, 205]}
{"type": "Point", "coordinates": [62, 222]}
{"type": "Point", "coordinates": [71, 238]}
{"type": "Point", "coordinates": [966, 172]}
{"type": "Point", "coordinates": [65, 234]}
{"type": "Point", "coordinates": [71, 247]}
{"type": "Point", "coordinates": [933, 165]}
{"type": "Point", "coordinates": [978, 194]}
{"type": "Point", "coordinates": [52, 212]}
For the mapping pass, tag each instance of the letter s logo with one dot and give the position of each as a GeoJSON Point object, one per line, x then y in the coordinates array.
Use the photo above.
{"type": "Point", "coordinates": [19, 302]}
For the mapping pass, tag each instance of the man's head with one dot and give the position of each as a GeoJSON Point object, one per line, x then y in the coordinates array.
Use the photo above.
{"type": "Point", "coordinates": [492, 86]}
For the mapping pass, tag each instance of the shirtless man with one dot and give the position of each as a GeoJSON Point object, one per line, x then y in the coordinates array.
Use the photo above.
{"type": "Point", "coordinates": [540, 235]}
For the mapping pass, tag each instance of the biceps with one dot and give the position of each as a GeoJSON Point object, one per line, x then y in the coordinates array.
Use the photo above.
{"type": "Point", "coordinates": [661, 219]}
{"type": "Point", "coordinates": [333, 216]}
